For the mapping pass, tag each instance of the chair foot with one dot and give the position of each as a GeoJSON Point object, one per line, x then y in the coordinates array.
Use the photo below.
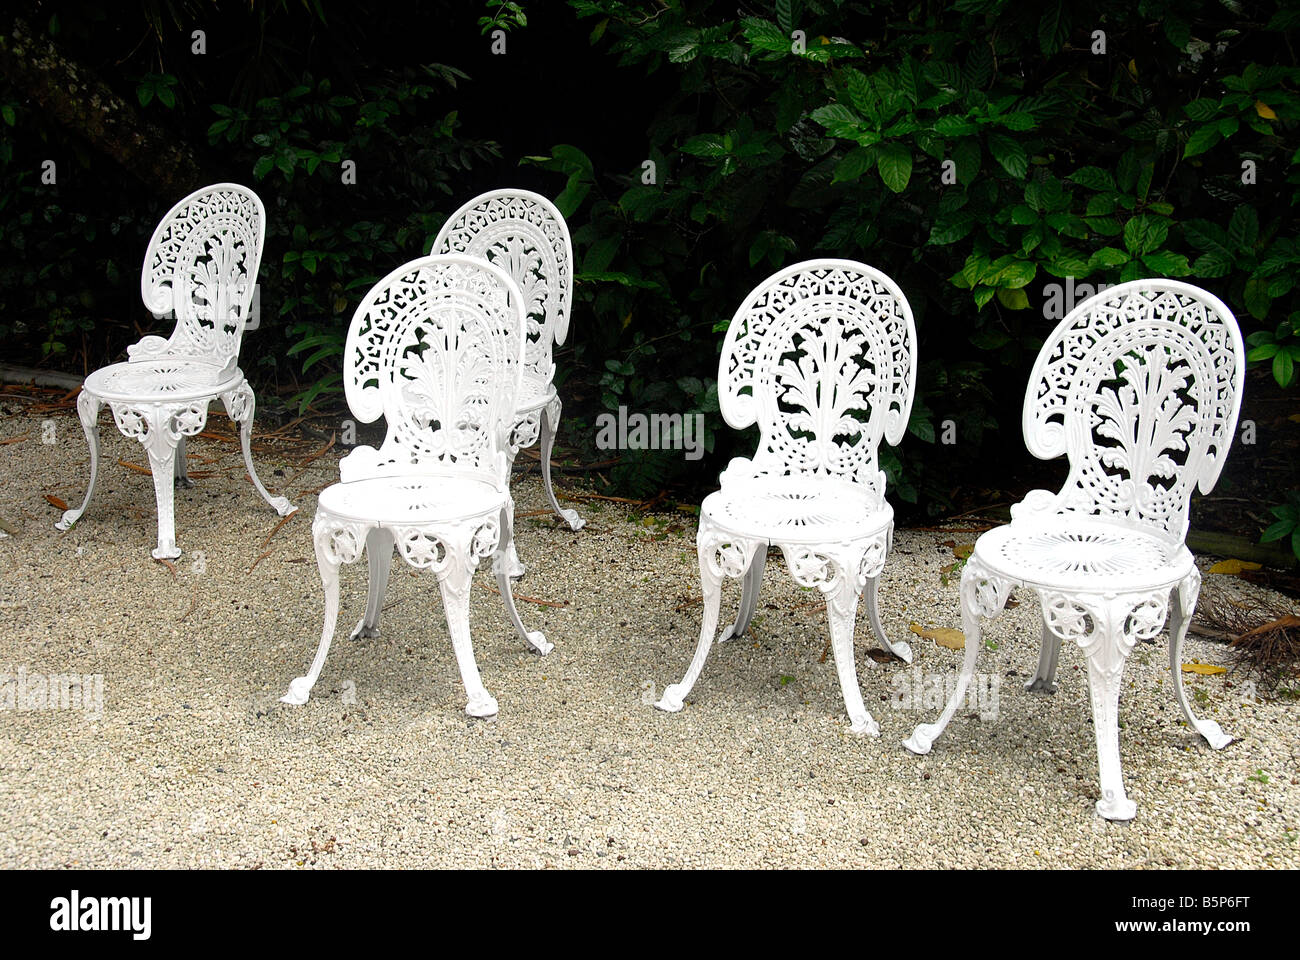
{"type": "Point", "coordinates": [166, 553]}
{"type": "Point", "coordinates": [69, 519]}
{"type": "Point", "coordinates": [282, 506]}
{"type": "Point", "coordinates": [671, 701]}
{"type": "Point", "coordinates": [922, 738]}
{"type": "Point", "coordinates": [1212, 733]}
{"type": "Point", "coordinates": [299, 691]}
{"type": "Point", "coordinates": [574, 521]}
{"type": "Point", "coordinates": [903, 650]}
{"type": "Point", "coordinates": [362, 632]}
{"type": "Point", "coordinates": [1040, 685]}
{"type": "Point", "coordinates": [1113, 808]}
{"type": "Point", "coordinates": [538, 643]}
{"type": "Point", "coordinates": [865, 726]}
{"type": "Point", "coordinates": [483, 706]}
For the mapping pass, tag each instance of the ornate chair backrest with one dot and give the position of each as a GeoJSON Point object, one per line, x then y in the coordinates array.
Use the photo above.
{"type": "Point", "coordinates": [822, 355]}
{"type": "Point", "coordinates": [436, 347]}
{"type": "Point", "coordinates": [524, 234]}
{"type": "Point", "coordinates": [1140, 386]}
{"type": "Point", "coordinates": [201, 268]}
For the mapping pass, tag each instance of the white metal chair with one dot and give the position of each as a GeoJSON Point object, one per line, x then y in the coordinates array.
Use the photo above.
{"type": "Point", "coordinates": [525, 235]}
{"type": "Point", "coordinates": [436, 347]}
{"type": "Point", "coordinates": [201, 268]}
{"type": "Point", "coordinates": [822, 356]}
{"type": "Point", "coordinates": [1139, 387]}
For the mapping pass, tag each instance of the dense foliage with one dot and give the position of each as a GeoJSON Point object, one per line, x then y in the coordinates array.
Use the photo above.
{"type": "Point", "coordinates": [998, 160]}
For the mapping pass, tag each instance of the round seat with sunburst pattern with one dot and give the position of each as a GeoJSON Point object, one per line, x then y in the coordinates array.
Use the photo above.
{"type": "Point", "coordinates": [172, 379]}
{"type": "Point", "coordinates": [1094, 554]}
{"type": "Point", "coordinates": [798, 509]}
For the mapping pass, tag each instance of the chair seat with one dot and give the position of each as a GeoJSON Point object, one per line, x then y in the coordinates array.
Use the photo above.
{"type": "Point", "coordinates": [163, 379]}
{"type": "Point", "coordinates": [797, 509]}
{"type": "Point", "coordinates": [401, 500]}
{"type": "Point", "coordinates": [534, 394]}
{"type": "Point", "coordinates": [1066, 552]}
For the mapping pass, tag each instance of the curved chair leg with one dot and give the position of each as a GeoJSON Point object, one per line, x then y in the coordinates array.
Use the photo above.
{"type": "Point", "coordinates": [300, 688]}
{"type": "Point", "coordinates": [88, 412]}
{"type": "Point", "coordinates": [748, 597]}
{"type": "Point", "coordinates": [379, 558]}
{"type": "Point", "coordinates": [841, 611]}
{"type": "Point", "coordinates": [1183, 606]}
{"type": "Point", "coordinates": [160, 443]}
{"type": "Point", "coordinates": [535, 639]}
{"type": "Point", "coordinates": [1107, 647]}
{"type": "Point", "coordinates": [1048, 653]}
{"type": "Point", "coordinates": [981, 593]}
{"type": "Point", "coordinates": [454, 582]}
{"type": "Point", "coordinates": [240, 406]}
{"type": "Point", "coordinates": [507, 558]}
{"type": "Point", "coordinates": [902, 649]}
{"type": "Point", "coordinates": [550, 422]}
{"type": "Point", "coordinates": [719, 556]}
{"type": "Point", "coordinates": [182, 464]}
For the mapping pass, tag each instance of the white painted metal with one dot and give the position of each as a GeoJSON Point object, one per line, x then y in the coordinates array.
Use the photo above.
{"type": "Point", "coordinates": [822, 356]}
{"type": "Point", "coordinates": [201, 268]}
{"type": "Point", "coordinates": [1140, 387]}
{"type": "Point", "coordinates": [436, 348]}
{"type": "Point", "coordinates": [524, 234]}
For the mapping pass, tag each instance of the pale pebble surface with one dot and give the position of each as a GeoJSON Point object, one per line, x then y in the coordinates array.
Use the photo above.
{"type": "Point", "coordinates": [194, 762]}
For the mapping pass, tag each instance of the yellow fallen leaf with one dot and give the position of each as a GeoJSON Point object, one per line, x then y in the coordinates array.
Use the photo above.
{"type": "Point", "coordinates": [1294, 418]}
{"type": "Point", "coordinates": [1264, 110]}
{"type": "Point", "coordinates": [963, 550]}
{"type": "Point", "coordinates": [1204, 669]}
{"type": "Point", "coordinates": [943, 636]}
{"type": "Point", "coordinates": [1233, 567]}
{"type": "Point", "coordinates": [1133, 69]}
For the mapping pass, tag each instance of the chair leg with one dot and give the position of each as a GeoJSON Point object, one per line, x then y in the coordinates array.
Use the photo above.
{"type": "Point", "coordinates": [182, 464]}
{"type": "Point", "coordinates": [1183, 606]}
{"type": "Point", "coordinates": [535, 639]}
{"type": "Point", "coordinates": [160, 443]}
{"type": "Point", "coordinates": [749, 596]}
{"type": "Point", "coordinates": [719, 556]}
{"type": "Point", "coordinates": [1049, 652]}
{"type": "Point", "coordinates": [88, 412]}
{"type": "Point", "coordinates": [902, 649]}
{"type": "Point", "coordinates": [508, 558]}
{"type": "Point", "coordinates": [454, 581]}
{"type": "Point", "coordinates": [550, 422]}
{"type": "Point", "coordinates": [1107, 628]}
{"type": "Point", "coordinates": [328, 561]}
{"type": "Point", "coordinates": [841, 611]}
{"type": "Point", "coordinates": [240, 405]}
{"type": "Point", "coordinates": [981, 594]}
{"type": "Point", "coordinates": [379, 558]}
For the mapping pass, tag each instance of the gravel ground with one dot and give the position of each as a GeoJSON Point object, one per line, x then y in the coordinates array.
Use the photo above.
{"type": "Point", "coordinates": [193, 762]}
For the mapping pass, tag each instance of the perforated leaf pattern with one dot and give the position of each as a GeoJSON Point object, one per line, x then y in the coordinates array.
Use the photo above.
{"type": "Point", "coordinates": [525, 235]}
{"type": "Point", "coordinates": [822, 356]}
{"type": "Point", "coordinates": [436, 348]}
{"type": "Point", "coordinates": [1140, 386]}
{"type": "Point", "coordinates": [201, 267]}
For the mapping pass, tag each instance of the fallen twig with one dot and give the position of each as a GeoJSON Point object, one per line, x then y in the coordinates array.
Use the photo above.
{"type": "Point", "coordinates": [302, 467]}
{"type": "Point", "coordinates": [261, 557]}
{"type": "Point", "coordinates": [536, 600]}
{"type": "Point", "coordinates": [194, 602]}
{"type": "Point", "coordinates": [283, 521]}
{"type": "Point", "coordinates": [168, 564]}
